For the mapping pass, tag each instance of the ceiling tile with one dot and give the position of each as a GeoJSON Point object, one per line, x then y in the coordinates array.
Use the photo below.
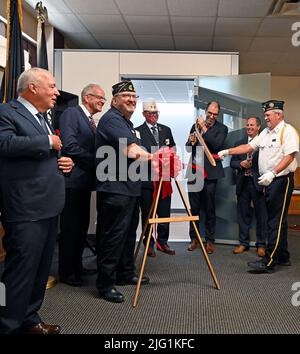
{"type": "Point", "coordinates": [249, 8]}
{"type": "Point", "coordinates": [53, 6]}
{"type": "Point", "coordinates": [274, 44]}
{"type": "Point", "coordinates": [67, 23]}
{"type": "Point", "coordinates": [232, 43]}
{"type": "Point", "coordinates": [189, 26]}
{"type": "Point", "coordinates": [106, 24]}
{"type": "Point", "coordinates": [197, 8]}
{"type": "Point", "coordinates": [116, 41]}
{"type": "Point", "coordinates": [276, 27]}
{"type": "Point", "coordinates": [148, 25]}
{"type": "Point", "coordinates": [226, 26]}
{"type": "Point", "coordinates": [85, 40]}
{"type": "Point", "coordinates": [106, 7]}
{"type": "Point", "coordinates": [193, 43]}
{"type": "Point", "coordinates": [155, 42]}
{"type": "Point", "coordinates": [146, 8]}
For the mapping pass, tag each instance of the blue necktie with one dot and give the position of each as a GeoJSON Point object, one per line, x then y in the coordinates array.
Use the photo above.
{"type": "Point", "coordinates": [42, 122]}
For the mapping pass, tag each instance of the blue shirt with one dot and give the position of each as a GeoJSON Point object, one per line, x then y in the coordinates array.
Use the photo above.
{"type": "Point", "coordinates": [114, 133]}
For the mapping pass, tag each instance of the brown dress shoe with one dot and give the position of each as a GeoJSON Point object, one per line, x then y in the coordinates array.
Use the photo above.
{"type": "Point", "coordinates": [260, 251]}
{"type": "Point", "coordinates": [165, 248]}
{"type": "Point", "coordinates": [210, 247]}
{"type": "Point", "coordinates": [151, 252]}
{"type": "Point", "coordinates": [43, 328]}
{"type": "Point", "coordinates": [240, 249]}
{"type": "Point", "coordinates": [193, 245]}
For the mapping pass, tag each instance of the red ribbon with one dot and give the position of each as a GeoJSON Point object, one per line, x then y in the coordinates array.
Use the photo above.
{"type": "Point", "coordinates": [166, 189]}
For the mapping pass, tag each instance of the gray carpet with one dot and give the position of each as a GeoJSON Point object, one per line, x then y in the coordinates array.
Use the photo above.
{"type": "Point", "coordinates": [182, 298]}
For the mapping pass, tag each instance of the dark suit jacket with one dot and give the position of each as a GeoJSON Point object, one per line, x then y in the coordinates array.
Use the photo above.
{"type": "Point", "coordinates": [147, 141]}
{"type": "Point", "coordinates": [214, 139]}
{"type": "Point", "coordinates": [79, 144]}
{"type": "Point", "coordinates": [240, 171]}
{"type": "Point", "coordinates": [31, 185]}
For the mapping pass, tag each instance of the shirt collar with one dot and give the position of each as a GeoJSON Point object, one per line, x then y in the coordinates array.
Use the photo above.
{"type": "Point", "coordinates": [150, 125]}
{"type": "Point", "coordinates": [86, 112]}
{"type": "Point", "coordinates": [277, 128]}
{"type": "Point", "coordinates": [28, 105]}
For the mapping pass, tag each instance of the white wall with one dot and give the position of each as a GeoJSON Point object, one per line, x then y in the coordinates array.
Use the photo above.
{"type": "Point", "coordinates": [75, 69]}
{"type": "Point", "coordinates": [287, 88]}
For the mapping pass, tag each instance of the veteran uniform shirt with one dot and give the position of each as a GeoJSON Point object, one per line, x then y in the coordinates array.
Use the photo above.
{"type": "Point", "coordinates": [273, 145]}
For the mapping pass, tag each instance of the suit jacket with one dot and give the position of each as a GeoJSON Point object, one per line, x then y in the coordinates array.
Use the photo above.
{"type": "Point", "coordinates": [214, 139]}
{"type": "Point", "coordinates": [78, 141]}
{"type": "Point", "coordinates": [147, 141]}
{"type": "Point", "coordinates": [240, 171]}
{"type": "Point", "coordinates": [31, 185]}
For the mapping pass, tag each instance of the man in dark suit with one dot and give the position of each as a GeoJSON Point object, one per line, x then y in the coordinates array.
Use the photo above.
{"type": "Point", "coordinates": [32, 195]}
{"type": "Point", "coordinates": [214, 134]}
{"type": "Point", "coordinates": [153, 136]}
{"type": "Point", "coordinates": [248, 190]}
{"type": "Point", "coordinates": [77, 132]}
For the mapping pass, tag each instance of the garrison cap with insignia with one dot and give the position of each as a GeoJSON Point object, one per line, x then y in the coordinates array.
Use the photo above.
{"type": "Point", "coordinates": [272, 104]}
{"type": "Point", "coordinates": [150, 106]}
{"type": "Point", "coordinates": [123, 86]}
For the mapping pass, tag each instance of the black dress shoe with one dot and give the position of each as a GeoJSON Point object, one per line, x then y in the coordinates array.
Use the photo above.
{"type": "Point", "coordinates": [165, 248]}
{"type": "Point", "coordinates": [72, 280]}
{"type": "Point", "coordinates": [43, 328]}
{"type": "Point", "coordinates": [112, 295]}
{"type": "Point", "coordinates": [85, 272]}
{"type": "Point", "coordinates": [260, 267]}
{"type": "Point", "coordinates": [133, 281]}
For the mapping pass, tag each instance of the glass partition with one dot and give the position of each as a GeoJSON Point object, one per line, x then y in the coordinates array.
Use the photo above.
{"type": "Point", "coordinates": [239, 96]}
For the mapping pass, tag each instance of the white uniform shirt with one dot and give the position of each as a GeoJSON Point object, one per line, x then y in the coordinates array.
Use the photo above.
{"type": "Point", "coordinates": [273, 145]}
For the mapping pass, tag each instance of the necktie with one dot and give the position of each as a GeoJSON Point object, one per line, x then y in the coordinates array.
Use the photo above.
{"type": "Point", "coordinates": [92, 124]}
{"type": "Point", "coordinates": [155, 133]}
{"type": "Point", "coordinates": [42, 122]}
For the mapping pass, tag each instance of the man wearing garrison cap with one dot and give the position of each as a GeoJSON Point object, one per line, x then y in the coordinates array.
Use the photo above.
{"type": "Point", "coordinates": [277, 145]}
{"type": "Point", "coordinates": [153, 136]}
{"type": "Point", "coordinates": [117, 197]}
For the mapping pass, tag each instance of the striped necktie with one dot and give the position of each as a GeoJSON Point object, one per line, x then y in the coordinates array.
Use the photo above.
{"type": "Point", "coordinates": [155, 133]}
{"type": "Point", "coordinates": [92, 124]}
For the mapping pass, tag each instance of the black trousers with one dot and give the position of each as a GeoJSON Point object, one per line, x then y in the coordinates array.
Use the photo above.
{"type": "Point", "coordinates": [29, 249]}
{"type": "Point", "coordinates": [74, 224]}
{"type": "Point", "coordinates": [244, 213]}
{"type": "Point", "coordinates": [117, 221]}
{"type": "Point", "coordinates": [204, 202]}
{"type": "Point", "coordinates": [278, 196]}
{"type": "Point", "coordinates": [163, 211]}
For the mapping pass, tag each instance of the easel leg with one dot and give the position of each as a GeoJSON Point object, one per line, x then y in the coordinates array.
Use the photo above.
{"type": "Point", "coordinates": [199, 237]}
{"type": "Point", "coordinates": [143, 232]}
{"type": "Point", "coordinates": [137, 290]}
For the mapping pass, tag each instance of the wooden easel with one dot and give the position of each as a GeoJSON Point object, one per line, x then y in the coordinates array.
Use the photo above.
{"type": "Point", "coordinates": [152, 219]}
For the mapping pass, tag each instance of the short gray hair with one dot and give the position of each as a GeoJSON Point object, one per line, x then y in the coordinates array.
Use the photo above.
{"type": "Point", "coordinates": [30, 75]}
{"type": "Point", "coordinates": [88, 89]}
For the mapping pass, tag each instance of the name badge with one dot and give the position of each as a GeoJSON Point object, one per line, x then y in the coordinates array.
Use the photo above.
{"type": "Point", "coordinates": [137, 134]}
{"type": "Point", "coordinates": [167, 142]}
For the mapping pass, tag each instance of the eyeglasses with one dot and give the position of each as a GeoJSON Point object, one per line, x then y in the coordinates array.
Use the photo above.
{"type": "Point", "coordinates": [101, 98]}
{"type": "Point", "coordinates": [152, 113]}
{"type": "Point", "coordinates": [213, 114]}
{"type": "Point", "coordinates": [127, 95]}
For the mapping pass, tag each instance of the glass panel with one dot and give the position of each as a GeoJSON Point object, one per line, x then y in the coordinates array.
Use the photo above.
{"type": "Point", "coordinates": [239, 96]}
